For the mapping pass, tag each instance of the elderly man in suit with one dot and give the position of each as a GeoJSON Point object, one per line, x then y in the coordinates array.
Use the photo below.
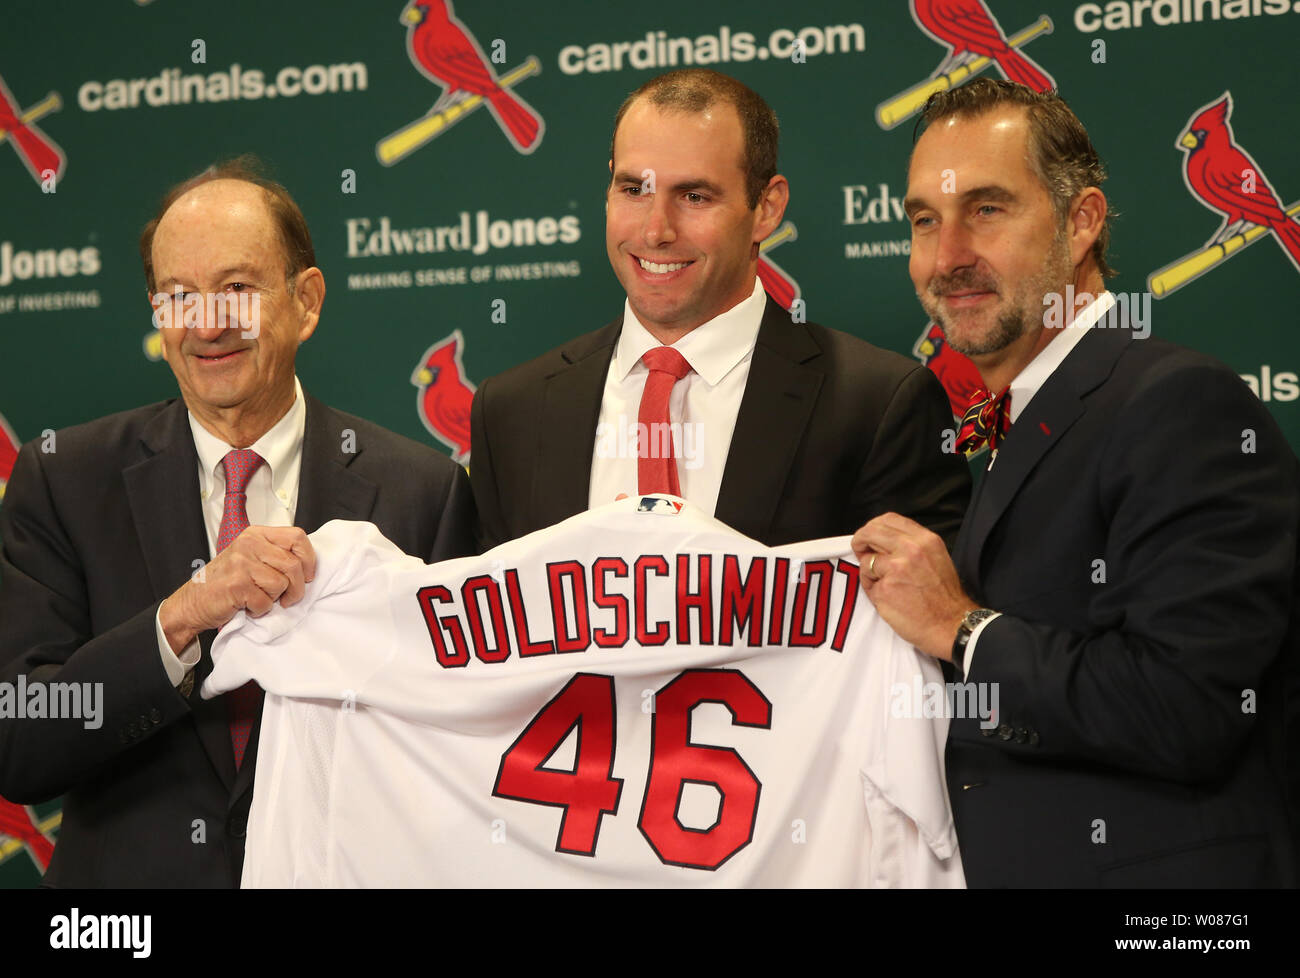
{"type": "Point", "coordinates": [145, 531]}
{"type": "Point", "coordinates": [705, 387]}
{"type": "Point", "coordinates": [1125, 574]}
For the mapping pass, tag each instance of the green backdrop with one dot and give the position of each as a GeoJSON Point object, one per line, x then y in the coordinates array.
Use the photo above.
{"type": "Point", "coordinates": [129, 97]}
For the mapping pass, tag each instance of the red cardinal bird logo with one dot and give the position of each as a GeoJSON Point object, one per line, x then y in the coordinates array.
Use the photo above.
{"type": "Point", "coordinates": [446, 53]}
{"type": "Point", "coordinates": [1224, 177]}
{"type": "Point", "coordinates": [958, 375]}
{"type": "Point", "coordinates": [969, 29]}
{"type": "Point", "coordinates": [40, 154]}
{"type": "Point", "coordinates": [445, 395]}
{"type": "Point", "coordinates": [8, 453]}
{"type": "Point", "coordinates": [777, 282]}
{"type": "Point", "coordinates": [17, 823]}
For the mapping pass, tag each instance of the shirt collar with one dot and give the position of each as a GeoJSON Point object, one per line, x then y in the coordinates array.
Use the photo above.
{"type": "Point", "coordinates": [712, 349]}
{"type": "Point", "coordinates": [1036, 372]}
{"type": "Point", "coordinates": [280, 448]}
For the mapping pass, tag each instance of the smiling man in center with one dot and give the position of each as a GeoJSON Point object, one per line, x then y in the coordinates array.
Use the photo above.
{"type": "Point", "coordinates": [783, 430]}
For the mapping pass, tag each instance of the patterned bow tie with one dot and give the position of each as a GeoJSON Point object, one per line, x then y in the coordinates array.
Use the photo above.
{"type": "Point", "coordinates": [985, 422]}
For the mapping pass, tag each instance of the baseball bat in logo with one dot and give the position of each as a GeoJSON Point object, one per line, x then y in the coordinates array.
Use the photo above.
{"type": "Point", "coordinates": [152, 344]}
{"type": "Point", "coordinates": [445, 394]}
{"type": "Point", "coordinates": [778, 283]}
{"type": "Point", "coordinates": [443, 50]}
{"type": "Point", "coordinates": [40, 154]}
{"type": "Point", "coordinates": [1226, 179]}
{"type": "Point", "coordinates": [975, 40]}
{"type": "Point", "coordinates": [19, 830]}
{"type": "Point", "coordinates": [8, 453]}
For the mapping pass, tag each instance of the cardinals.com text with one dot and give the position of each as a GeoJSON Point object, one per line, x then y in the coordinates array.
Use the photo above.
{"type": "Point", "coordinates": [658, 50]}
{"type": "Point", "coordinates": [171, 87]}
{"type": "Point", "coordinates": [1119, 15]}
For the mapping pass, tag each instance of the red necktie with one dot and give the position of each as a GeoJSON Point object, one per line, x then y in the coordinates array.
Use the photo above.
{"type": "Point", "coordinates": [656, 466]}
{"type": "Point", "coordinates": [985, 422]}
{"type": "Point", "coordinates": [242, 704]}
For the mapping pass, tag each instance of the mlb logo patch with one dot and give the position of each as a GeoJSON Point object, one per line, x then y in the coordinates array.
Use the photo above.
{"type": "Point", "coordinates": [659, 504]}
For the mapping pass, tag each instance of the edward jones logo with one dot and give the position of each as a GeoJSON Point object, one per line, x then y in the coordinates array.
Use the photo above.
{"type": "Point", "coordinates": [476, 234]}
{"type": "Point", "coordinates": [19, 265]}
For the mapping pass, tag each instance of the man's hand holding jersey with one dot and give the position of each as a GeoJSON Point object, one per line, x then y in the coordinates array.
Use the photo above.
{"type": "Point", "coordinates": [909, 577]}
{"type": "Point", "coordinates": [264, 564]}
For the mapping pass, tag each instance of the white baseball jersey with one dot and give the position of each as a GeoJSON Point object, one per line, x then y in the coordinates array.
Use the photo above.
{"type": "Point", "coordinates": [636, 696]}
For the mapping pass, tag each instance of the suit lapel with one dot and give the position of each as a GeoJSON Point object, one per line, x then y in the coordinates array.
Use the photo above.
{"type": "Point", "coordinates": [963, 554]}
{"type": "Point", "coordinates": [1058, 404]}
{"type": "Point", "coordinates": [327, 488]}
{"type": "Point", "coordinates": [570, 411]}
{"type": "Point", "coordinates": [162, 490]}
{"type": "Point", "coordinates": [778, 401]}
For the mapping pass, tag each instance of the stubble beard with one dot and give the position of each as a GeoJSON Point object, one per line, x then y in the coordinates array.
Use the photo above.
{"type": "Point", "coordinates": [1023, 313]}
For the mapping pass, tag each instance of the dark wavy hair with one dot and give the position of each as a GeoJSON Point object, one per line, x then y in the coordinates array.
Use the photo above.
{"type": "Point", "coordinates": [1061, 153]}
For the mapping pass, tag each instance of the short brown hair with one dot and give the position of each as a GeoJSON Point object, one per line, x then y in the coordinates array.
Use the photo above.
{"type": "Point", "coordinates": [696, 89]}
{"type": "Point", "coordinates": [295, 239]}
{"type": "Point", "coordinates": [1061, 153]}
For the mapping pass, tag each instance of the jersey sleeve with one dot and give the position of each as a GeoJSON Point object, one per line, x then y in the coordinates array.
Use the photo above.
{"type": "Point", "coordinates": [309, 651]}
{"type": "Point", "coordinates": [903, 711]}
{"type": "Point", "coordinates": [913, 837]}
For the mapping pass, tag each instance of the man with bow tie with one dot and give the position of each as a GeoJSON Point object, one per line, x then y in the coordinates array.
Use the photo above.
{"type": "Point", "coordinates": [1125, 574]}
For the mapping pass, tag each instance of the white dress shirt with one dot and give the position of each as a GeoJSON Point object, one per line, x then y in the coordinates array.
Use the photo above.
{"type": "Point", "coordinates": [1028, 382]}
{"type": "Point", "coordinates": [272, 497]}
{"type": "Point", "coordinates": [705, 403]}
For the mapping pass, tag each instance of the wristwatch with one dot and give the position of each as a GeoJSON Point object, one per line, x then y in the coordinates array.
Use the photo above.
{"type": "Point", "coordinates": [964, 630]}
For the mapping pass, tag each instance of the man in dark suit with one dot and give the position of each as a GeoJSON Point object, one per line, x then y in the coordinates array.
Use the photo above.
{"type": "Point", "coordinates": [1123, 578]}
{"type": "Point", "coordinates": [782, 429]}
{"type": "Point", "coordinates": [130, 542]}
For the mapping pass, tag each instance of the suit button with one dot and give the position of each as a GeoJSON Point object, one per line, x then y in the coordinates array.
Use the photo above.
{"type": "Point", "coordinates": [1021, 735]}
{"type": "Point", "coordinates": [1004, 731]}
{"type": "Point", "coordinates": [155, 717]}
{"type": "Point", "coordinates": [129, 730]}
{"type": "Point", "coordinates": [144, 723]}
{"type": "Point", "coordinates": [237, 828]}
{"type": "Point", "coordinates": [1033, 738]}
